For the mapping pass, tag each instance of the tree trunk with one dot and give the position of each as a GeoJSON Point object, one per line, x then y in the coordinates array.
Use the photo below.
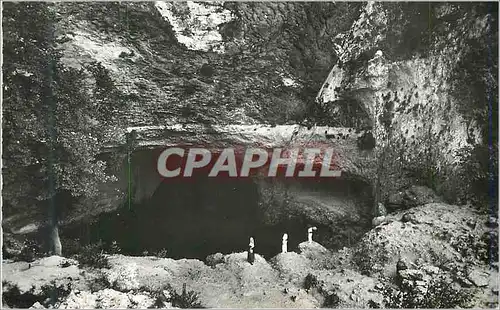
{"type": "Point", "coordinates": [55, 242]}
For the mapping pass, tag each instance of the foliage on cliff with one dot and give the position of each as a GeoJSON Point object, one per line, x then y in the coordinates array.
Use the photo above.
{"type": "Point", "coordinates": [54, 116]}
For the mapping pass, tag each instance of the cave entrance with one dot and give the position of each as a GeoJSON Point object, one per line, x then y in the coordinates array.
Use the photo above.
{"type": "Point", "coordinates": [196, 217]}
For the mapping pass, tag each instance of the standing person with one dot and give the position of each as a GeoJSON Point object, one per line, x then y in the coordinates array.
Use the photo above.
{"type": "Point", "coordinates": [284, 244]}
{"type": "Point", "coordinates": [251, 254]}
{"type": "Point", "coordinates": [310, 234]}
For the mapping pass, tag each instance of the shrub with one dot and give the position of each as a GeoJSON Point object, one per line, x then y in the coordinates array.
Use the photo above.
{"type": "Point", "coordinates": [92, 255]}
{"type": "Point", "coordinates": [114, 248]}
{"type": "Point", "coordinates": [368, 257]}
{"type": "Point", "coordinates": [366, 141]}
{"type": "Point", "coordinates": [331, 301]}
{"type": "Point", "coordinates": [440, 293]}
{"type": "Point", "coordinates": [186, 299]}
{"type": "Point", "coordinates": [53, 293]}
{"type": "Point", "coordinates": [30, 251]}
{"type": "Point", "coordinates": [310, 281]}
{"type": "Point", "coordinates": [99, 283]}
{"type": "Point", "coordinates": [71, 246]}
{"type": "Point", "coordinates": [159, 296]}
{"type": "Point", "coordinates": [49, 295]}
{"type": "Point", "coordinates": [161, 253]}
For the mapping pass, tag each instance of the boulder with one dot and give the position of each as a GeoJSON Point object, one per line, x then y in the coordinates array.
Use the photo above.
{"type": "Point", "coordinates": [479, 278]}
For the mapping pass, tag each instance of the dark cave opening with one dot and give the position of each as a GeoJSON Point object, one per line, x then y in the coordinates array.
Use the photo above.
{"type": "Point", "coordinates": [199, 216]}
{"type": "Point", "coordinates": [196, 217]}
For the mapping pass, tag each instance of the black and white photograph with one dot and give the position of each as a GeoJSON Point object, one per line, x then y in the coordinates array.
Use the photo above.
{"type": "Point", "coordinates": [213, 154]}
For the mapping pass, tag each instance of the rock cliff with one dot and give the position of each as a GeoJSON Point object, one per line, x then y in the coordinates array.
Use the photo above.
{"type": "Point", "coordinates": [406, 94]}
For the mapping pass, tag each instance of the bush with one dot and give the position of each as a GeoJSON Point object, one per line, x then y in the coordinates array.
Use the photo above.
{"type": "Point", "coordinates": [185, 300]}
{"type": "Point", "coordinates": [99, 283]}
{"type": "Point", "coordinates": [93, 256]}
{"type": "Point", "coordinates": [30, 251]}
{"type": "Point", "coordinates": [50, 295]}
{"type": "Point", "coordinates": [53, 293]}
{"type": "Point", "coordinates": [161, 253]}
{"type": "Point", "coordinates": [310, 281]}
{"type": "Point", "coordinates": [114, 248]}
{"type": "Point", "coordinates": [331, 301]}
{"type": "Point", "coordinates": [366, 141]}
{"type": "Point", "coordinates": [160, 298]}
{"type": "Point", "coordinates": [440, 293]}
{"type": "Point", "coordinates": [369, 257]}
{"type": "Point", "coordinates": [71, 246]}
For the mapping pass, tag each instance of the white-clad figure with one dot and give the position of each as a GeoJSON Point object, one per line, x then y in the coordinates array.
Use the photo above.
{"type": "Point", "coordinates": [251, 255]}
{"type": "Point", "coordinates": [310, 234]}
{"type": "Point", "coordinates": [284, 244]}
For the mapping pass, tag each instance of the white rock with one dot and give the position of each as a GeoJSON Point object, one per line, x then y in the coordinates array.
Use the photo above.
{"type": "Point", "coordinates": [111, 299]}
{"type": "Point", "coordinates": [37, 305]}
{"type": "Point", "coordinates": [124, 278]}
{"type": "Point", "coordinates": [479, 278]}
{"type": "Point", "coordinates": [79, 300]}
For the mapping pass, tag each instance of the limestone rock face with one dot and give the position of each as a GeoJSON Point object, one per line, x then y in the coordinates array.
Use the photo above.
{"type": "Point", "coordinates": [437, 231]}
{"type": "Point", "coordinates": [398, 89]}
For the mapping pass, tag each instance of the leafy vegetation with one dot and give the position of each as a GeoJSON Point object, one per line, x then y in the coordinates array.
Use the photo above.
{"type": "Point", "coordinates": [55, 117]}
{"type": "Point", "coordinates": [50, 295]}
{"type": "Point", "coordinates": [367, 257]}
{"type": "Point", "coordinates": [440, 293]}
{"type": "Point", "coordinates": [93, 256]}
{"type": "Point", "coordinates": [310, 281]}
{"type": "Point", "coordinates": [185, 300]}
{"type": "Point", "coordinates": [30, 251]}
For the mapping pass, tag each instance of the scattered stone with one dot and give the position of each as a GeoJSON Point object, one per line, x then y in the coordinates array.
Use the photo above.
{"type": "Point", "coordinates": [479, 278]}
{"type": "Point", "coordinates": [109, 299]}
